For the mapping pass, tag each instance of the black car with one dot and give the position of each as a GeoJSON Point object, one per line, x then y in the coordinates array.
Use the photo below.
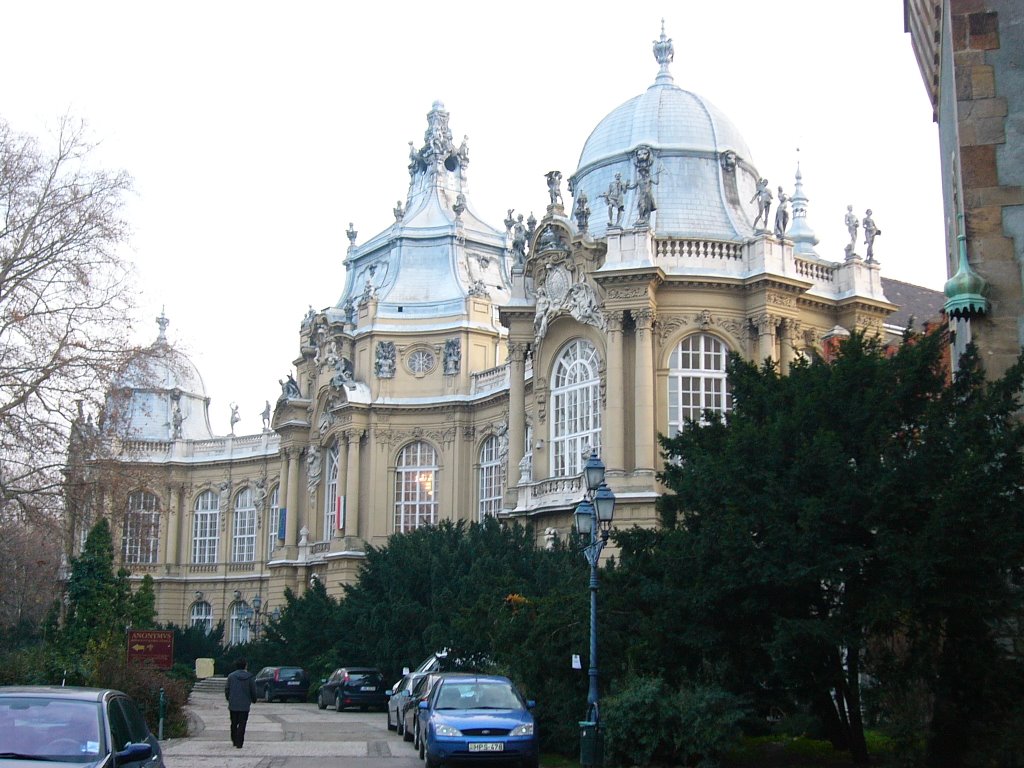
{"type": "Point", "coordinates": [408, 724]}
{"type": "Point", "coordinates": [91, 727]}
{"type": "Point", "coordinates": [282, 683]}
{"type": "Point", "coordinates": [361, 687]}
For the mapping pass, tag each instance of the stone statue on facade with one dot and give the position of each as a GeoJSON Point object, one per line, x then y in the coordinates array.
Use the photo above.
{"type": "Point", "coordinates": [852, 225]}
{"type": "Point", "coordinates": [343, 374]}
{"type": "Point", "coordinates": [266, 416]}
{"type": "Point", "coordinates": [643, 160]}
{"type": "Point", "coordinates": [399, 210]}
{"type": "Point", "coordinates": [452, 356]}
{"type": "Point", "coordinates": [235, 418]}
{"type": "Point", "coordinates": [176, 421]}
{"type": "Point", "coordinates": [384, 365]}
{"type": "Point", "coordinates": [223, 496]}
{"type": "Point", "coordinates": [460, 205]}
{"type": "Point", "coordinates": [352, 235]}
{"type": "Point", "coordinates": [289, 388]}
{"type": "Point", "coordinates": [582, 212]}
{"type": "Point", "coordinates": [310, 316]}
{"type": "Point", "coordinates": [870, 233]}
{"type": "Point", "coordinates": [582, 305]}
{"type": "Point", "coordinates": [782, 214]}
{"type": "Point", "coordinates": [763, 197]}
{"type": "Point", "coordinates": [540, 319]}
{"type": "Point", "coordinates": [616, 199]}
{"type": "Point", "coordinates": [519, 234]}
{"type": "Point", "coordinates": [526, 468]}
{"type": "Point", "coordinates": [464, 152]}
{"type": "Point", "coordinates": [554, 186]}
{"type": "Point", "coordinates": [313, 468]}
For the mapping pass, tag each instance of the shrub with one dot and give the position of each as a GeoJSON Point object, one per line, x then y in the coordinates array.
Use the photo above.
{"type": "Point", "coordinates": [648, 723]}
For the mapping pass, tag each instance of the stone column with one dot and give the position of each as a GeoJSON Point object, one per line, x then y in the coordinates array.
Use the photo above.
{"type": "Point", "coordinates": [765, 325]}
{"type": "Point", "coordinates": [615, 409]}
{"type": "Point", "coordinates": [291, 530]}
{"type": "Point", "coordinates": [173, 527]}
{"type": "Point", "coordinates": [353, 436]}
{"type": "Point", "coordinates": [787, 344]}
{"type": "Point", "coordinates": [343, 480]}
{"type": "Point", "coordinates": [643, 405]}
{"type": "Point", "coordinates": [516, 410]}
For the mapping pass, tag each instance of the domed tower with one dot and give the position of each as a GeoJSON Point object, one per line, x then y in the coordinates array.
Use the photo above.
{"type": "Point", "coordinates": [160, 396]}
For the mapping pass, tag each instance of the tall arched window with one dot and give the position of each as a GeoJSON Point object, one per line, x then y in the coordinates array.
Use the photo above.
{"type": "Point", "coordinates": [140, 540]}
{"type": "Point", "coordinates": [205, 528]}
{"type": "Point", "coordinates": [243, 538]}
{"type": "Point", "coordinates": [575, 408]}
{"type": "Point", "coordinates": [696, 380]}
{"type": "Point", "coordinates": [273, 519]}
{"type": "Point", "coordinates": [492, 477]}
{"type": "Point", "coordinates": [239, 623]}
{"type": "Point", "coordinates": [201, 615]}
{"type": "Point", "coordinates": [415, 484]}
{"type": "Point", "coordinates": [332, 501]}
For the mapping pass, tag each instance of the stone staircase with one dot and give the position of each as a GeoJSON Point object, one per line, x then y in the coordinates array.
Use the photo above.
{"type": "Point", "coordinates": [210, 685]}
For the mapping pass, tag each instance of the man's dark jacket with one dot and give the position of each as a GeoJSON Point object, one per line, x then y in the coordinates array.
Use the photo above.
{"type": "Point", "coordinates": [240, 690]}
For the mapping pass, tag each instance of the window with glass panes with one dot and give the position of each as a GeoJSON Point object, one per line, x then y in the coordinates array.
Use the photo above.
{"type": "Point", "coordinates": [201, 615]}
{"type": "Point", "coordinates": [415, 487]}
{"type": "Point", "coordinates": [140, 539]}
{"type": "Point", "coordinates": [205, 528]}
{"type": "Point", "coordinates": [239, 625]}
{"type": "Point", "coordinates": [332, 502]}
{"type": "Point", "coordinates": [273, 519]}
{"type": "Point", "coordinates": [575, 408]}
{"type": "Point", "coordinates": [696, 380]}
{"type": "Point", "coordinates": [492, 477]}
{"type": "Point", "coordinates": [243, 538]}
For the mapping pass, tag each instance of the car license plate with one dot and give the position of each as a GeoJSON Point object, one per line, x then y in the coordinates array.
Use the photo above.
{"type": "Point", "coordinates": [486, 746]}
{"type": "Point", "coordinates": [293, 682]}
{"type": "Point", "coordinates": [368, 688]}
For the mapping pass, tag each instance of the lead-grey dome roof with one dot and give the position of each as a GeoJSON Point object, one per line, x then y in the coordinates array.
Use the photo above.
{"type": "Point", "coordinates": [704, 173]}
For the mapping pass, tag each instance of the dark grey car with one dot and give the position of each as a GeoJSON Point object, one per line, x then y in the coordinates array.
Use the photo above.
{"type": "Point", "coordinates": [92, 727]}
{"type": "Point", "coordinates": [361, 687]}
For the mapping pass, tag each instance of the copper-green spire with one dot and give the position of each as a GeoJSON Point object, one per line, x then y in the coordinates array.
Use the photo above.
{"type": "Point", "coordinates": [965, 290]}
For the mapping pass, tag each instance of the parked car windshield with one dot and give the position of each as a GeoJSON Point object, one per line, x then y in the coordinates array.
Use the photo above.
{"type": "Point", "coordinates": [50, 728]}
{"type": "Point", "coordinates": [290, 673]}
{"type": "Point", "coordinates": [477, 695]}
{"type": "Point", "coordinates": [357, 676]}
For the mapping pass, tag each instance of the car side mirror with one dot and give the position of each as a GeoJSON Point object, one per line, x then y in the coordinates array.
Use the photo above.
{"type": "Point", "coordinates": [530, 703]}
{"type": "Point", "coordinates": [134, 753]}
{"type": "Point", "coordinates": [323, 680]}
{"type": "Point", "coordinates": [424, 704]}
{"type": "Point", "coordinates": [390, 692]}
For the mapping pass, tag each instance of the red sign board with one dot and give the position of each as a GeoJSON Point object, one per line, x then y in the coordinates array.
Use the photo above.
{"type": "Point", "coordinates": [152, 645]}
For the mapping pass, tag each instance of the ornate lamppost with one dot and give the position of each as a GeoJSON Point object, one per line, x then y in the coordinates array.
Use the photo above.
{"type": "Point", "coordinates": [593, 524]}
{"type": "Point", "coordinates": [257, 614]}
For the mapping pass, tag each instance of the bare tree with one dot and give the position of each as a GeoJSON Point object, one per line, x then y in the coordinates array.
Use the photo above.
{"type": "Point", "coordinates": [64, 303]}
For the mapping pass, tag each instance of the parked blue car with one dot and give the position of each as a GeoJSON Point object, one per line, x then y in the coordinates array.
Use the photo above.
{"type": "Point", "coordinates": [477, 718]}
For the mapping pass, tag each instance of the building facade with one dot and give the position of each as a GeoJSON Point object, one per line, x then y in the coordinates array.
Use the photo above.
{"type": "Point", "coordinates": [469, 370]}
{"type": "Point", "coordinates": [969, 54]}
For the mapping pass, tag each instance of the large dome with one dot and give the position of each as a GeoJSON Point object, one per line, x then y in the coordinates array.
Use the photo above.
{"type": "Point", "coordinates": [703, 175]}
{"type": "Point", "coordinates": [160, 396]}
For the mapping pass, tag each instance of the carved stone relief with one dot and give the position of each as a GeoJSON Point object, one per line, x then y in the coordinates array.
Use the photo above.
{"type": "Point", "coordinates": [384, 365]}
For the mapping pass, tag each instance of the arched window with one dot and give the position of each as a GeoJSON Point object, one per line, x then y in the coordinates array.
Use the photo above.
{"type": "Point", "coordinates": [332, 501]}
{"type": "Point", "coordinates": [239, 623]}
{"type": "Point", "coordinates": [205, 528]}
{"type": "Point", "coordinates": [575, 408]}
{"type": "Point", "coordinates": [415, 484]}
{"type": "Point", "coordinates": [492, 477]}
{"type": "Point", "coordinates": [273, 520]}
{"type": "Point", "coordinates": [140, 541]}
{"type": "Point", "coordinates": [696, 380]}
{"type": "Point", "coordinates": [243, 538]}
{"type": "Point", "coordinates": [201, 615]}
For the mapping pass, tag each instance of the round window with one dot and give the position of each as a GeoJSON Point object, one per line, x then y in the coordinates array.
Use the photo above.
{"type": "Point", "coordinates": [421, 361]}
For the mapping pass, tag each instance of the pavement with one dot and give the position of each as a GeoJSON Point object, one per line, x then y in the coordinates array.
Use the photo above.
{"type": "Point", "coordinates": [286, 735]}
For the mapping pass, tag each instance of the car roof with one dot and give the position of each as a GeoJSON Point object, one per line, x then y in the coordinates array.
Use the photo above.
{"type": "Point", "coordinates": [72, 692]}
{"type": "Point", "coordinates": [360, 669]}
{"type": "Point", "coordinates": [474, 676]}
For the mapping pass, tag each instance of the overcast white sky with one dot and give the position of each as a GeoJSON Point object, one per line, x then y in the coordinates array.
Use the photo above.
{"type": "Point", "coordinates": [256, 131]}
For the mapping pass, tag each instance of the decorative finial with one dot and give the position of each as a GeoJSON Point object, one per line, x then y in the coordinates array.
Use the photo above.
{"type": "Point", "coordinates": [162, 322]}
{"type": "Point", "coordinates": [351, 232]}
{"type": "Point", "coordinates": [664, 53]}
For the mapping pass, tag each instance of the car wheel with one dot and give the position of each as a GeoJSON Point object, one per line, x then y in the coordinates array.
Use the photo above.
{"type": "Point", "coordinates": [423, 746]}
{"type": "Point", "coordinates": [406, 736]}
{"type": "Point", "coordinates": [431, 763]}
{"type": "Point", "coordinates": [337, 703]}
{"type": "Point", "coordinates": [320, 703]}
{"type": "Point", "coordinates": [266, 695]}
{"type": "Point", "coordinates": [391, 726]}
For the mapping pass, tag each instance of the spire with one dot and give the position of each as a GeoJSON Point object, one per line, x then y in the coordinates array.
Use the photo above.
{"type": "Point", "coordinates": [800, 232]}
{"type": "Point", "coordinates": [663, 54]}
{"type": "Point", "coordinates": [162, 322]}
{"type": "Point", "coordinates": [965, 290]}
{"type": "Point", "coordinates": [437, 170]}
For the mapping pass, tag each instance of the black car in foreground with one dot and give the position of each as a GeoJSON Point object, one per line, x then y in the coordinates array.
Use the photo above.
{"type": "Point", "coordinates": [282, 683]}
{"type": "Point", "coordinates": [90, 727]}
{"type": "Point", "coordinates": [361, 687]}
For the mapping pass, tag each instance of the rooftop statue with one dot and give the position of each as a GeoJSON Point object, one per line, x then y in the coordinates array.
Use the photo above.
{"type": "Point", "coordinates": [616, 199]}
{"type": "Point", "coordinates": [582, 211]}
{"type": "Point", "coordinates": [645, 204]}
{"type": "Point", "coordinates": [763, 196]}
{"type": "Point", "coordinates": [782, 214]}
{"type": "Point", "coordinates": [554, 186]}
{"type": "Point", "coordinates": [870, 233]}
{"type": "Point", "coordinates": [852, 225]}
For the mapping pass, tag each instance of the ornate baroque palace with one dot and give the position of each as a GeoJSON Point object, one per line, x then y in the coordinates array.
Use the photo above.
{"type": "Point", "coordinates": [469, 369]}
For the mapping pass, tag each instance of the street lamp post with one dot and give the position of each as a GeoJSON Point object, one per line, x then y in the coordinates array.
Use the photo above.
{"type": "Point", "coordinates": [257, 614]}
{"type": "Point", "coordinates": [593, 524]}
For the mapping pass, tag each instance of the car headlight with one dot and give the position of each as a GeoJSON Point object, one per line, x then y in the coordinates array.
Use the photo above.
{"type": "Point", "coordinates": [446, 730]}
{"type": "Point", "coordinates": [526, 729]}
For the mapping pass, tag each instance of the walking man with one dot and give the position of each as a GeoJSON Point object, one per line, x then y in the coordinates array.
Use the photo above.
{"type": "Point", "coordinates": [240, 691]}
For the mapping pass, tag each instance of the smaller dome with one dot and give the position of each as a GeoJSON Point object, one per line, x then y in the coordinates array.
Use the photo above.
{"type": "Point", "coordinates": [162, 367]}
